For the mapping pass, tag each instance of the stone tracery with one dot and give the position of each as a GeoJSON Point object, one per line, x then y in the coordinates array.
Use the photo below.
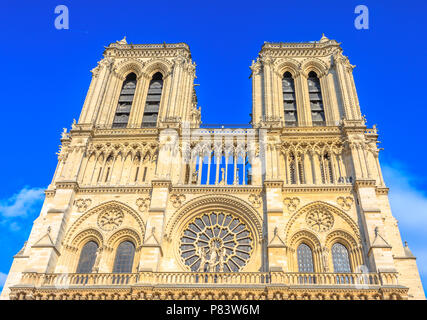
{"type": "Point", "coordinates": [216, 242]}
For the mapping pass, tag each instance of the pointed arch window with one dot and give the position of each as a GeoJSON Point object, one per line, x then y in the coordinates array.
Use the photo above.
{"type": "Point", "coordinates": [152, 104]}
{"type": "Point", "coordinates": [305, 258]}
{"type": "Point", "coordinates": [87, 257]}
{"type": "Point", "coordinates": [289, 100]}
{"type": "Point", "coordinates": [125, 102]}
{"type": "Point", "coordinates": [340, 258]}
{"type": "Point", "coordinates": [124, 257]}
{"type": "Point", "coordinates": [316, 100]}
{"type": "Point", "coordinates": [292, 169]}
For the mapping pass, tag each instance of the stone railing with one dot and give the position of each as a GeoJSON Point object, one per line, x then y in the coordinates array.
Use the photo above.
{"type": "Point", "coordinates": [63, 280]}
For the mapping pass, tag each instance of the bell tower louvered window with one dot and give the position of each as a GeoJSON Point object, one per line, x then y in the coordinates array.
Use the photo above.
{"type": "Point", "coordinates": [289, 101]}
{"type": "Point", "coordinates": [125, 102]}
{"type": "Point", "coordinates": [316, 101]}
{"type": "Point", "coordinates": [152, 104]}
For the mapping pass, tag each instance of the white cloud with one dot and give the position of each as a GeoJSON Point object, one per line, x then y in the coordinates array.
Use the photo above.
{"type": "Point", "coordinates": [409, 207]}
{"type": "Point", "coordinates": [21, 203]}
{"type": "Point", "coordinates": [3, 277]}
{"type": "Point", "coordinates": [408, 204]}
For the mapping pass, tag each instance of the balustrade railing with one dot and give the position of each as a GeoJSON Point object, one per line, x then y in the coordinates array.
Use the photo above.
{"type": "Point", "coordinates": [62, 280]}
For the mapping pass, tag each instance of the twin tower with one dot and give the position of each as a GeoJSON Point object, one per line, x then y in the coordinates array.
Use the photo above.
{"type": "Point", "coordinates": [145, 203]}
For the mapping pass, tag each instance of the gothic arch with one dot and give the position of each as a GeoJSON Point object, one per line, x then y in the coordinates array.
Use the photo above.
{"type": "Point", "coordinates": [158, 65]}
{"type": "Point", "coordinates": [316, 65]}
{"type": "Point", "coordinates": [224, 202]}
{"type": "Point", "coordinates": [129, 66]}
{"type": "Point", "coordinates": [290, 65]}
{"type": "Point", "coordinates": [86, 235]}
{"type": "Point", "coordinates": [128, 210]}
{"type": "Point", "coordinates": [330, 208]}
{"type": "Point", "coordinates": [305, 236]}
{"type": "Point", "coordinates": [341, 236]}
{"type": "Point", "coordinates": [123, 235]}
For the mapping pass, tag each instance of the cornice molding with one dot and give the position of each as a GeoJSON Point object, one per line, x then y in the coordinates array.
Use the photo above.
{"type": "Point", "coordinates": [345, 188]}
{"type": "Point", "coordinates": [216, 189]}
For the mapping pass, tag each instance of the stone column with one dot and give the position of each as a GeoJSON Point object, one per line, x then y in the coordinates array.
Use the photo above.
{"type": "Point", "coordinates": [276, 250]}
{"type": "Point", "coordinates": [151, 250]}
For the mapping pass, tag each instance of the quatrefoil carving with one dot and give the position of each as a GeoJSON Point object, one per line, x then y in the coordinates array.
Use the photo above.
{"type": "Point", "coordinates": [345, 202]}
{"type": "Point", "coordinates": [291, 203]}
{"type": "Point", "coordinates": [83, 204]}
{"type": "Point", "coordinates": [143, 203]}
{"type": "Point", "coordinates": [177, 199]}
{"type": "Point", "coordinates": [255, 200]}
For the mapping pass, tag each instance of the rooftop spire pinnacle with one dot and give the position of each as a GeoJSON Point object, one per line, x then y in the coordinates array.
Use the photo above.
{"type": "Point", "coordinates": [324, 38]}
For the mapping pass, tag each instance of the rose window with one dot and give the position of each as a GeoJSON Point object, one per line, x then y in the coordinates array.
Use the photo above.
{"type": "Point", "coordinates": [216, 242]}
{"type": "Point", "coordinates": [110, 219]}
{"type": "Point", "coordinates": [319, 220]}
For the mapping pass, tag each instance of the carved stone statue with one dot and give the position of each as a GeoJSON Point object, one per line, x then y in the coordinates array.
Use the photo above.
{"type": "Point", "coordinates": [64, 133]}
{"type": "Point", "coordinates": [202, 254]}
{"type": "Point", "coordinates": [97, 259]}
{"type": "Point", "coordinates": [194, 177]}
{"type": "Point", "coordinates": [325, 262]}
{"type": "Point", "coordinates": [222, 177]}
{"type": "Point", "coordinates": [213, 259]}
{"type": "Point", "coordinates": [221, 260]}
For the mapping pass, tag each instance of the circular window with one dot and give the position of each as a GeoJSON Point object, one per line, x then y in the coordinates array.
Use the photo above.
{"type": "Point", "coordinates": [216, 242]}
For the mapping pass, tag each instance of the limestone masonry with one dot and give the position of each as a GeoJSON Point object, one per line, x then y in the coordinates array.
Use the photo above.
{"type": "Point", "coordinates": [148, 203]}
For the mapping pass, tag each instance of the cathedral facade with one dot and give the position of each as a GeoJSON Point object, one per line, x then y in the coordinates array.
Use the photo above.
{"type": "Point", "coordinates": [148, 203]}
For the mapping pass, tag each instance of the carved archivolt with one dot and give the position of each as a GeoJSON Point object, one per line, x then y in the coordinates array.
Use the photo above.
{"type": "Point", "coordinates": [288, 64]}
{"type": "Point", "coordinates": [291, 203]}
{"type": "Point", "coordinates": [127, 66]}
{"type": "Point", "coordinates": [304, 235]}
{"type": "Point", "coordinates": [87, 235]}
{"type": "Point", "coordinates": [340, 236]}
{"type": "Point", "coordinates": [316, 65]}
{"type": "Point", "coordinates": [225, 203]}
{"type": "Point", "coordinates": [158, 65]}
{"type": "Point", "coordinates": [345, 202]}
{"type": "Point", "coordinates": [83, 204]}
{"type": "Point", "coordinates": [123, 235]}
{"type": "Point", "coordinates": [325, 208]}
{"type": "Point", "coordinates": [99, 211]}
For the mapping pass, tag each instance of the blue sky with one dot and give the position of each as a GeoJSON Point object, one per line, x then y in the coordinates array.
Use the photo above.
{"type": "Point", "coordinates": [45, 77]}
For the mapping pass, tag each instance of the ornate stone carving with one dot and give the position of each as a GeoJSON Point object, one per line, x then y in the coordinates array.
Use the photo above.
{"type": "Point", "coordinates": [110, 219]}
{"type": "Point", "coordinates": [291, 203]}
{"type": "Point", "coordinates": [177, 199]}
{"type": "Point", "coordinates": [143, 203]}
{"type": "Point", "coordinates": [216, 242]}
{"type": "Point", "coordinates": [345, 202]}
{"type": "Point", "coordinates": [319, 220]}
{"type": "Point", "coordinates": [325, 259]}
{"type": "Point", "coordinates": [255, 200]}
{"type": "Point", "coordinates": [83, 204]}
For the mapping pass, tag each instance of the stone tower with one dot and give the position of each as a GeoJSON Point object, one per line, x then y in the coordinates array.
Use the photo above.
{"type": "Point", "coordinates": [147, 203]}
